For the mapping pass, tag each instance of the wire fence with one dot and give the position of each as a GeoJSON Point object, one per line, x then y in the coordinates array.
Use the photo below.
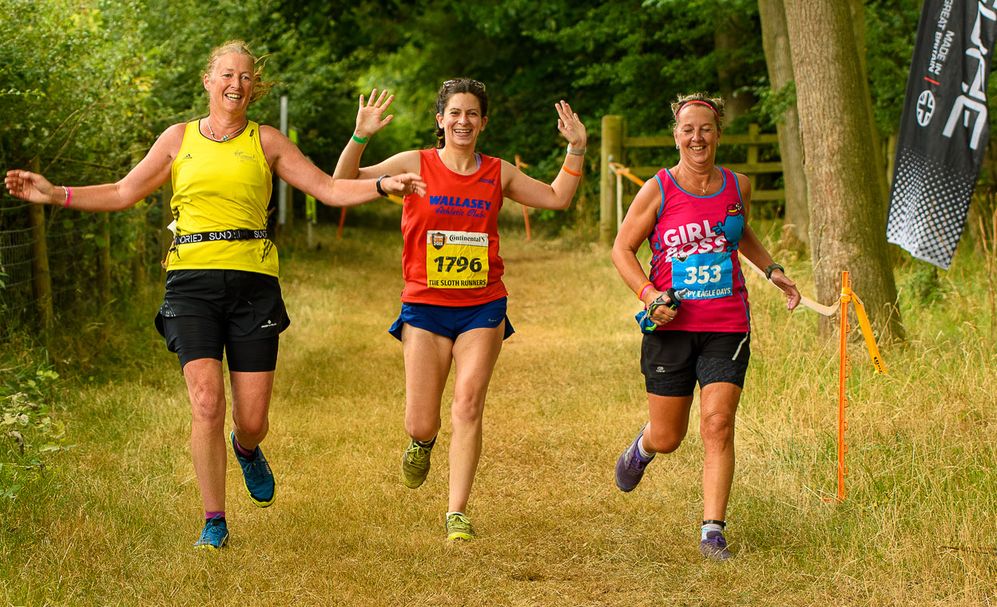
{"type": "Point", "coordinates": [55, 262]}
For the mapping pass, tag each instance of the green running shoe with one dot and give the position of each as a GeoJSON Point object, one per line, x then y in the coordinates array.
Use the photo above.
{"type": "Point", "coordinates": [214, 535]}
{"type": "Point", "coordinates": [415, 465]}
{"type": "Point", "coordinates": [458, 527]}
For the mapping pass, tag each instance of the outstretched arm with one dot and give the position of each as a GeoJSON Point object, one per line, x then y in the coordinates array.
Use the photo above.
{"type": "Point", "coordinates": [533, 193]}
{"type": "Point", "coordinates": [150, 173]}
{"type": "Point", "coordinates": [292, 166]}
{"type": "Point", "coordinates": [754, 251]}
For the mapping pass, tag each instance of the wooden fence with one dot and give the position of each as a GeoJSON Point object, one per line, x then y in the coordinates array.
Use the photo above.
{"type": "Point", "coordinates": [616, 147]}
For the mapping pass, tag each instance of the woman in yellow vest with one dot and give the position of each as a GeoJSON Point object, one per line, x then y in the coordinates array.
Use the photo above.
{"type": "Point", "coordinates": [222, 293]}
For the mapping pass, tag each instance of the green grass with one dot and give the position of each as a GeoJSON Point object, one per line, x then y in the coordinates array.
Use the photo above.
{"type": "Point", "coordinates": [112, 519]}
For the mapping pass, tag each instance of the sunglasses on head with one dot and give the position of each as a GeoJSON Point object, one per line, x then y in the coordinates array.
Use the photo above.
{"type": "Point", "coordinates": [456, 81]}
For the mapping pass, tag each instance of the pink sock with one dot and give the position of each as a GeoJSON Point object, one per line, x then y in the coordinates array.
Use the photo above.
{"type": "Point", "coordinates": [242, 450]}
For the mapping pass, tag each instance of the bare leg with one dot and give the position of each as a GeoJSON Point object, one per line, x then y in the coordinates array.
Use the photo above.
{"type": "Point", "coordinates": [475, 353]}
{"type": "Point", "coordinates": [206, 388]}
{"type": "Point", "coordinates": [251, 406]}
{"type": "Point", "coordinates": [668, 421]}
{"type": "Point", "coordinates": [427, 364]}
{"type": "Point", "coordinates": [718, 406]}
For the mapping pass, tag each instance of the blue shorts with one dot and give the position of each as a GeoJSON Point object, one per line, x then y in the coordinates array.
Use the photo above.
{"type": "Point", "coordinates": [451, 322]}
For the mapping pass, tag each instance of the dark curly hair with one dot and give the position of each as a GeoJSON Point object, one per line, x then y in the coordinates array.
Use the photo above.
{"type": "Point", "coordinates": [451, 88]}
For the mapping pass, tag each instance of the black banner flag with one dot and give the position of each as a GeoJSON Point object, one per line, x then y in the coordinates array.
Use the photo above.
{"type": "Point", "coordinates": [943, 130]}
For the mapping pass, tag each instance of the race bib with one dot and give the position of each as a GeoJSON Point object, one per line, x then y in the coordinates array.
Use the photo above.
{"type": "Point", "coordinates": [703, 276]}
{"type": "Point", "coordinates": [456, 260]}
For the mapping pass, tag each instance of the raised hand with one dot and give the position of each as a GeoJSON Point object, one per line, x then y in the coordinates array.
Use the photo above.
{"type": "Point", "coordinates": [404, 183]}
{"type": "Point", "coordinates": [31, 187]}
{"type": "Point", "coordinates": [570, 125]}
{"type": "Point", "coordinates": [369, 120]}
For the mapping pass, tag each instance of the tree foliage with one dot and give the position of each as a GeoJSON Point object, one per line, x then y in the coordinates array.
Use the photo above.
{"type": "Point", "coordinates": [87, 85]}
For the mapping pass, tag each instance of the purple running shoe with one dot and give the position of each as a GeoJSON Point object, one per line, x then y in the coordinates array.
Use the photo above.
{"type": "Point", "coordinates": [714, 547]}
{"type": "Point", "coordinates": [630, 466]}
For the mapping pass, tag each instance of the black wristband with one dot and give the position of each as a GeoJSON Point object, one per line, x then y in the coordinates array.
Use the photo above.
{"type": "Point", "coordinates": [769, 270]}
{"type": "Point", "coordinates": [377, 184]}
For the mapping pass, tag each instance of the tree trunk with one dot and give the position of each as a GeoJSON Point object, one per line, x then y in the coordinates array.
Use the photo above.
{"type": "Point", "coordinates": [847, 217]}
{"type": "Point", "coordinates": [775, 40]}
{"type": "Point", "coordinates": [728, 40]}
{"type": "Point", "coordinates": [856, 10]}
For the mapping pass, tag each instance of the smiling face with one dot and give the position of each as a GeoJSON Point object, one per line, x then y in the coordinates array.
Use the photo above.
{"type": "Point", "coordinates": [697, 134]}
{"type": "Point", "coordinates": [461, 120]}
{"type": "Point", "coordinates": [230, 83]}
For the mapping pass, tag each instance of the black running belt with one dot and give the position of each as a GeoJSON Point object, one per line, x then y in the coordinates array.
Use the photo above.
{"type": "Point", "coordinates": [222, 235]}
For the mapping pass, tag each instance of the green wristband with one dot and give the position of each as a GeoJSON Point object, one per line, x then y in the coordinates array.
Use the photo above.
{"type": "Point", "coordinates": [360, 140]}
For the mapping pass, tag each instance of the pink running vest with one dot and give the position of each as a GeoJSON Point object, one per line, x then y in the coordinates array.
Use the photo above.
{"type": "Point", "coordinates": [694, 250]}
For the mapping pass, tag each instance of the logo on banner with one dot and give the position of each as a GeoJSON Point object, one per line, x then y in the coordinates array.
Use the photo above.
{"type": "Point", "coordinates": [925, 107]}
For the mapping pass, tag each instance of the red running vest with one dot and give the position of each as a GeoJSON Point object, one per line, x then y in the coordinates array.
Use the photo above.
{"type": "Point", "coordinates": [451, 242]}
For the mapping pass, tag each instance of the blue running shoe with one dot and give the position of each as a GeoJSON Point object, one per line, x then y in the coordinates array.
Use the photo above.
{"type": "Point", "coordinates": [256, 472]}
{"type": "Point", "coordinates": [214, 535]}
{"type": "Point", "coordinates": [630, 466]}
{"type": "Point", "coordinates": [714, 547]}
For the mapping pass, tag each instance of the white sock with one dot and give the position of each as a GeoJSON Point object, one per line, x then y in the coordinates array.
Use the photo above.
{"type": "Point", "coordinates": [709, 527]}
{"type": "Point", "coordinates": [640, 449]}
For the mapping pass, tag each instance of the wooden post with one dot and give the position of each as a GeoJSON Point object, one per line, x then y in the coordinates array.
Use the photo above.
{"type": "Point", "coordinates": [140, 274]}
{"type": "Point", "coordinates": [41, 277]}
{"type": "Point", "coordinates": [612, 151]}
{"type": "Point", "coordinates": [104, 260]}
{"type": "Point", "coordinates": [526, 216]}
{"type": "Point", "coordinates": [753, 153]}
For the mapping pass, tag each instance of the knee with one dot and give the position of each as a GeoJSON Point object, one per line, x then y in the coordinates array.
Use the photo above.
{"type": "Point", "coordinates": [422, 428]}
{"type": "Point", "coordinates": [255, 429]}
{"type": "Point", "coordinates": [467, 411]}
{"type": "Point", "coordinates": [207, 405]}
{"type": "Point", "coordinates": [662, 439]}
{"type": "Point", "coordinates": [717, 429]}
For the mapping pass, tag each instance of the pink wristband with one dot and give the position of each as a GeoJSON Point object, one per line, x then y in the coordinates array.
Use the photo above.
{"type": "Point", "coordinates": [644, 290]}
{"type": "Point", "coordinates": [69, 196]}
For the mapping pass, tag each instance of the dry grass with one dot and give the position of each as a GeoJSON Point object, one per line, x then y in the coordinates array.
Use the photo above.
{"type": "Point", "coordinates": [113, 522]}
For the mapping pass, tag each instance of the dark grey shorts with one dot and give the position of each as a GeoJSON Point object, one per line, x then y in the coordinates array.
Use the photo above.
{"type": "Point", "coordinates": [673, 361]}
{"type": "Point", "coordinates": [206, 312]}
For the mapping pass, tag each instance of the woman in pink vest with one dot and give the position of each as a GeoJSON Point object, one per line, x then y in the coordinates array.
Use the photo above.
{"type": "Point", "coordinates": [454, 301]}
{"type": "Point", "coordinates": [697, 326]}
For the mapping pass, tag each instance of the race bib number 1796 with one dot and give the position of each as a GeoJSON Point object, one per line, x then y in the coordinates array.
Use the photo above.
{"type": "Point", "coordinates": [456, 260]}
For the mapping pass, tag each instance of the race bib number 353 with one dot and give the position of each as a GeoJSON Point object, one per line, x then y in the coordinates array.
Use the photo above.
{"type": "Point", "coordinates": [456, 260]}
{"type": "Point", "coordinates": [703, 276]}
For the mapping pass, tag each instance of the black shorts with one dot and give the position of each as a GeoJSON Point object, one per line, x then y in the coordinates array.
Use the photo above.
{"type": "Point", "coordinates": [673, 361]}
{"type": "Point", "coordinates": [206, 312]}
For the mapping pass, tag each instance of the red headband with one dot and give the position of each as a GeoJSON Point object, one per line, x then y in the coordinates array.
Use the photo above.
{"type": "Point", "coordinates": [698, 102]}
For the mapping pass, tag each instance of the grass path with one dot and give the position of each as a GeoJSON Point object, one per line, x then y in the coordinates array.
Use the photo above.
{"type": "Point", "coordinates": [113, 522]}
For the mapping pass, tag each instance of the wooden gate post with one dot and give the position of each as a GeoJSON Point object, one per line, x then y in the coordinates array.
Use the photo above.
{"type": "Point", "coordinates": [104, 260]}
{"type": "Point", "coordinates": [41, 277]}
{"type": "Point", "coordinates": [612, 151]}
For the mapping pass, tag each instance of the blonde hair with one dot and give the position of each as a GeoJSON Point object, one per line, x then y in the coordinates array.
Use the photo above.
{"type": "Point", "coordinates": [714, 103]}
{"type": "Point", "coordinates": [260, 86]}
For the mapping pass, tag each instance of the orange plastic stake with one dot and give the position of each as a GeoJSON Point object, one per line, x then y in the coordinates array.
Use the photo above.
{"type": "Point", "coordinates": [342, 222]}
{"type": "Point", "coordinates": [526, 216]}
{"type": "Point", "coordinates": [846, 298]}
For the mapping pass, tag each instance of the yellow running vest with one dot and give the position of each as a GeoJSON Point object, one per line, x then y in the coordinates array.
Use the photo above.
{"type": "Point", "coordinates": [221, 186]}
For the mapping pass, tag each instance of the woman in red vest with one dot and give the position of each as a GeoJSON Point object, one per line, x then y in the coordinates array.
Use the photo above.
{"type": "Point", "coordinates": [454, 301]}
